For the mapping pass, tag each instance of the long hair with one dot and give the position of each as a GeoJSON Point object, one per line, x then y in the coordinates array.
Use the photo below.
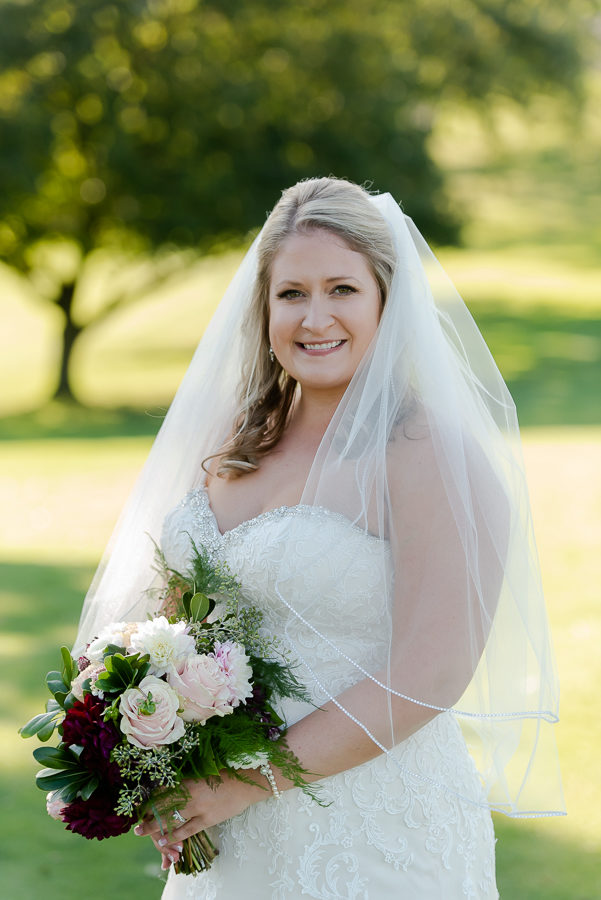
{"type": "Point", "coordinates": [267, 390]}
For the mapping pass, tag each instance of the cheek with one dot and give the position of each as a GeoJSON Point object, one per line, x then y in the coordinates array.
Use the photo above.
{"type": "Point", "coordinates": [281, 325]}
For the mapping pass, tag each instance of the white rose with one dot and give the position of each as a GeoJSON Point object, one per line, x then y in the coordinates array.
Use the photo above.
{"type": "Point", "coordinates": [168, 646]}
{"type": "Point", "coordinates": [149, 714]}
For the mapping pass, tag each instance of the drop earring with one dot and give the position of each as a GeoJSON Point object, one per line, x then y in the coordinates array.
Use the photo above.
{"type": "Point", "coordinates": [271, 354]}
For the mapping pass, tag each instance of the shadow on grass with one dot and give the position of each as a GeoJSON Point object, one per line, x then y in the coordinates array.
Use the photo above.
{"type": "Point", "coordinates": [60, 419]}
{"type": "Point", "coordinates": [39, 605]}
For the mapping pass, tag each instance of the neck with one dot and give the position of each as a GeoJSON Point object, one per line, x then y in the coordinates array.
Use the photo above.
{"type": "Point", "coordinates": [314, 412]}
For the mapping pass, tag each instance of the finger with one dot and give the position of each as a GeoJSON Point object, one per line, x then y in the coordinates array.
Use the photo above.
{"type": "Point", "coordinates": [168, 859]}
{"type": "Point", "coordinates": [192, 826]}
{"type": "Point", "coordinates": [154, 827]}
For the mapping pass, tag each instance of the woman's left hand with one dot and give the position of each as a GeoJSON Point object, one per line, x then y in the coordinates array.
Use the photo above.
{"type": "Point", "coordinates": [206, 806]}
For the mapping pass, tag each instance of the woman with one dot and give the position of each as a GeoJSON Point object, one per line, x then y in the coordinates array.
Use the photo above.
{"type": "Point", "coordinates": [345, 443]}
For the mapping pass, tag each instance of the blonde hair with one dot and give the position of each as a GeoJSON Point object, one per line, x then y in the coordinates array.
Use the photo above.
{"type": "Point", "coordinates": [267, 391]}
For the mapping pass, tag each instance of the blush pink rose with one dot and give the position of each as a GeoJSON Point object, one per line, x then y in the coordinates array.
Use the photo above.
{"type": "Point", "coordinates": [203, 689]}
{"type": "Point", "coordinates": [149, 714]}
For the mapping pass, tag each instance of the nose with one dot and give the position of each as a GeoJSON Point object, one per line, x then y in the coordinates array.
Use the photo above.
{"type": "Point", "coordinates": [317, 315]}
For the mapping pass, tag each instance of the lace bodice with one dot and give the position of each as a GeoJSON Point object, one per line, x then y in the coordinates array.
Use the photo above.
{"type": "Point", "coordinates": [389, 829]}
{"type": "Point", "coordinates": [267, 553]}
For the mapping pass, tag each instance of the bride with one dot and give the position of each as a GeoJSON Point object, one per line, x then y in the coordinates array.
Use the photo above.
{"type": "Point", "coordinates": [344, 441]}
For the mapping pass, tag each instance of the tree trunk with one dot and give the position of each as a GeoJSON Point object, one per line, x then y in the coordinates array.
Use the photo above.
{"type": "Point", "coordinates": [71, 332]}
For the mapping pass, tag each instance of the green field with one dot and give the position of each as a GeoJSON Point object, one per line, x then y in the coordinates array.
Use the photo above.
{"type": "Point", "coordinates": [531, 273]}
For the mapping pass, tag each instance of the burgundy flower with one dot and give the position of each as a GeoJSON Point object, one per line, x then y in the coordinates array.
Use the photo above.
{"type": "Point", "coordinates": [82, 719]}
{"type": "Point", "coordinates": [96, 817]}
{"type": "Point", "coordinates": [83, 725]}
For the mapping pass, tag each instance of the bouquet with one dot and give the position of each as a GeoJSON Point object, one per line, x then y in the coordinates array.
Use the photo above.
{"type": "Point", "coordinates": [187, 694]}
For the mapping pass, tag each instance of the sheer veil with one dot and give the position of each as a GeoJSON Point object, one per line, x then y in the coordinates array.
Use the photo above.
{"type": "Point", "coordinates": [423, 454]}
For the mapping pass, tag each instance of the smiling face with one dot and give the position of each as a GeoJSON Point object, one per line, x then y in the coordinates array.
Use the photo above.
{"type": "Point", "coordinates": [324, 309]}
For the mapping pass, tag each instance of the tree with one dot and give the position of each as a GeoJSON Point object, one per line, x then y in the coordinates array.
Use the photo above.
{"type": "Point", "coordinates": [145, 125]}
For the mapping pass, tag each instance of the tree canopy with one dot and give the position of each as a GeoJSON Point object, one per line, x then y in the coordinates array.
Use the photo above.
{"type": "Point", "coordinates": [146, 124]}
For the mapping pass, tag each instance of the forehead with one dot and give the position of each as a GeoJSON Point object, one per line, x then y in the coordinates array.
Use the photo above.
{"type": "Point", "coordinates": [318, 252]}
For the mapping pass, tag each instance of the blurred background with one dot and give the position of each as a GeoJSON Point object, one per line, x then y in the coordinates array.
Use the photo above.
{"type": "Point", "coordinates": [142, 144]}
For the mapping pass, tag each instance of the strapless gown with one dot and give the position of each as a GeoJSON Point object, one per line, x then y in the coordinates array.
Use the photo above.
{"type": "Point", "coordinates": [387, 833]}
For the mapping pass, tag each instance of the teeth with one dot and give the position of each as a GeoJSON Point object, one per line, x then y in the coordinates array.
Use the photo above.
{"type": "Point", "coordinates": [327, 346]}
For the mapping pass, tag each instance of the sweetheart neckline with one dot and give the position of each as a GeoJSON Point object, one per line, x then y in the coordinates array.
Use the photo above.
{"type": "Point", "coordinates": [245, 522]}
{"type": "Point", "coordinates": [276, 512]}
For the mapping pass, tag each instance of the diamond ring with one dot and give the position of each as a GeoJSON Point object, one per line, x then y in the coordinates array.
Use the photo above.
{"type": "Point", "coordinates": [179, 818]}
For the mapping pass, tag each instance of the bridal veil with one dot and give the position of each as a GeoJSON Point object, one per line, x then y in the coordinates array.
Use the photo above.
{"type": "Point", "coordinates": [424, 453]}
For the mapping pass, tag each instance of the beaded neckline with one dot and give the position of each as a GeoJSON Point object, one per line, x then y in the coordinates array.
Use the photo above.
{"type": "Point", "coordinates": [200, 498]}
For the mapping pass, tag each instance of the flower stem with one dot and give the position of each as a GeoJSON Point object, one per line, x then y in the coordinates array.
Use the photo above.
{"type": "Point", "coordinates": [197, 854]}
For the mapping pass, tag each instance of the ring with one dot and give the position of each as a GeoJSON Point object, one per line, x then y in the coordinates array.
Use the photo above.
{"type": "Point", "coordinates": [179, 818]}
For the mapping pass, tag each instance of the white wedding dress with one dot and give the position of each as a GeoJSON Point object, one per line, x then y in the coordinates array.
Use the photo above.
{"type": "Point", "coordinates": [386, 833]}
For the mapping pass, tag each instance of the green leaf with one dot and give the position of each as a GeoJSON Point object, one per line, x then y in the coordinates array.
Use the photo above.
{"type": "Point", "coordinates": [70, 699]}
{"type": "Point", "coordinates": [55, 758]}
{"type": "Point", "coordinates": [36, 724]}
{"type": "Point", "coordinates": [56, 684]}
{"type": "Point", "coordinates": [111, 649]}
{"type": "Point", "coordinates": [45, 733]}
{"type": "Point", "coordinates": [200, 607]}
{"type": "Point", "coordinates": [87, 791]}
{"type": "Point", "coordinates": [69, 667]}
{"type": "Point", "coordinates": [208, 764]}
{"type": "Point", "coordinates": [51, 780]}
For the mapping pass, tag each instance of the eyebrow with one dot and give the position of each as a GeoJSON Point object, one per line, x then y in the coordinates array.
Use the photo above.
{"type": "Point", "coordinates": [333, 278]}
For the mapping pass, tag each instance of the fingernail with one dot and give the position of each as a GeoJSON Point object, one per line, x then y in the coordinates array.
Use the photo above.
{"type": "Point", "coordinates": [179, 847]}
{"type": "Point", "coordinates": [164, 864]}
{"type": "Point", "coordinates": [172, 858]}
{"type": "Point", "coordinates": [139, 829]}
{"type": "Point", "coordinates": [161, 842]}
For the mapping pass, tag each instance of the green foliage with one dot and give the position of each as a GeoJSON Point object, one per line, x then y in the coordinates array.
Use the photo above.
{"type": "Point", "coordinates": [157, 125]}
{"type": "Point", "coordinates": [121, 672]}
{"type": "Point", "coordinates": [280, 680]}
{"type": "Point", "coordinates": [59, 684]}
{"type": "Point", "coordinates": [224, 111]}
{"type": "Point", "coordinates": [64, 773]}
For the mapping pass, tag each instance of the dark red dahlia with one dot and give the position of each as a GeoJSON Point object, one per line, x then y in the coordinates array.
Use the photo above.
{"type": "Point", "coordinates": [83, 725]}
{"type": "Point", "coordinates": [96, 817]}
